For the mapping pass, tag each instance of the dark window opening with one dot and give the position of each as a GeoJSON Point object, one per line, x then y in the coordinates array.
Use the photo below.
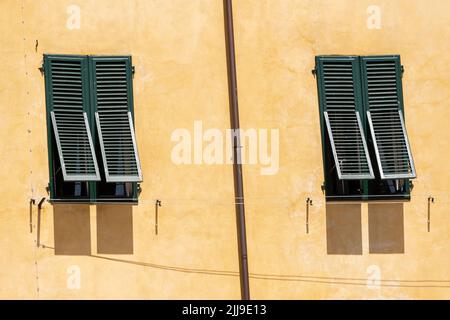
{"type": "Point", "coordinates": [335, 188]}
{"type": "Point", "coordinates": [115, 190]}
{"type": "Point", "coordinates": [69, 190]}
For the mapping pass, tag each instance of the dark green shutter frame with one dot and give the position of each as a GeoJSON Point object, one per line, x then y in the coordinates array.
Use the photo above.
{"type": "Point", "coordinates": [340, 100]}
{"type": "Point", "coordinates": [113, 114]}
{"type": "Point", "coordinates": [384, 104]}
{"type": "Point", "coordinates": [68, 102]}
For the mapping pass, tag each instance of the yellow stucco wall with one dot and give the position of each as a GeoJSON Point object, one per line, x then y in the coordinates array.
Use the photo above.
{"type": "Point", "coordinates": [178, 49]}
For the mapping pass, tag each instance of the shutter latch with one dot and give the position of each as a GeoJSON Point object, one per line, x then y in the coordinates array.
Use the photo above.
{"type": "Point", "coordinates": [403, 70]}
{"type": "Point", "coordinates": [314, 72]}
{"type": "Point", "coordinates": [139, 189]}
{"type": "Point", "coordinates": [133, 70]}
{"type": "Point", "coordinates": [42, 69]}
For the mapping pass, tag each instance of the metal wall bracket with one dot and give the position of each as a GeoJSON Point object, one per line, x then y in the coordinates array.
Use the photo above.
{"type": "Point", "coordinates": [430, 201]}
{"type": "Point", "coordinates": [309, 202]}
{"type": "Point", "coordinates": [32, 202]}
{"type": "Point", "coordinates": [38, 227]}
{"type": "Point", "coordinates": [157, 204]}
{"type": "Point", "coordinates": [38, 240]}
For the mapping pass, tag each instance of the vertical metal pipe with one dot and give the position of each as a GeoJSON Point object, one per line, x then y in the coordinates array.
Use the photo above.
{"type": "Point", "coordinates": [237, 167]}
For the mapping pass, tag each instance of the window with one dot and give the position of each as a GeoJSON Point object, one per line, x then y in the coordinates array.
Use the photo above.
{"type": "Point", "coordinates": [366, 153]}
{"type": "Point", "coordinates": [91, 141]}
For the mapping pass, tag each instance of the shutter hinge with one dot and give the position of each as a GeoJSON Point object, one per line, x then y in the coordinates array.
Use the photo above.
{"type": "Point", "coordinates": [42, 69]}
{"type": "Point", "coordinates": [314, 72]}
{"type": "Point", "coordinates": [403, 70]}
{"type": "Point", "coordinates": [133, 70]}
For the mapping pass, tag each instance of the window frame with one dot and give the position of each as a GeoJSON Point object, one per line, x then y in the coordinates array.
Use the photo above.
{"type": "Point", "coordinates": [361, 96]}
{"type": "Point", "coordinates": [88, 107]}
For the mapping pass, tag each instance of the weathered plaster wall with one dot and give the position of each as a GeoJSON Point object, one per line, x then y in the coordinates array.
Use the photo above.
{"type": "Point", "coordinates": [178, 49]}
{"type": "Point", "coordinates": [276, 43]}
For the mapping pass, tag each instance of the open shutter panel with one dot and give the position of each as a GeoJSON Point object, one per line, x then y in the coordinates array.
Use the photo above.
{"type": "Point", "coordinates": [340, 98]}
{"type": "Point", "coordinates": [384, 102]}
{"type": "Point", "coordinates": [113, 105]}
{"type": "Point", "coordinates": [69, 98]}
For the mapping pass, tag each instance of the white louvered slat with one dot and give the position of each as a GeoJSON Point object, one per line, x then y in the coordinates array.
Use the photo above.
{"type": "Point", "coordinates": [115, 123]}
{"type": "Point", "coordinates": [343, 121]}
{"type": "Point", "coordinates": [70, 123]}
{"type": "Point", "coordinates": [386, 119]}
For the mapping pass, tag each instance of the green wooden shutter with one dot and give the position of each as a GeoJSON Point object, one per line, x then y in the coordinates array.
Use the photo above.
{"type": "Point", "coordinates": [113, 102]}
{"type": "Point", "coordinates": [340, 101]}
{"type": "Point", "coordinates": [384, 104]}
{"type": "Point", "coordinates": [67, 92]}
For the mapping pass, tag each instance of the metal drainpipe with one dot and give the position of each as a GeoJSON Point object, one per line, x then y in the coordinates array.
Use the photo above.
{"type": "Point", "coordinates": [237, 167]}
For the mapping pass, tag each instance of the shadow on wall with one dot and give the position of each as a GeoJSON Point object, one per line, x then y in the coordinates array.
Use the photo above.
{"type": "Point", "coordinates": [344, 229]}
{"type": "Point", "coordinates": [386, 229]}
{"type": "Point", "coordinates": [344, 235]}
{"type": "Point", "coordinates": [115, 229]}
{"type": "Point", "coordinates": [72, 229]}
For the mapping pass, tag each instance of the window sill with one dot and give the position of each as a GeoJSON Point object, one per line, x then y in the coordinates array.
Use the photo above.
{"type": "Point", "coordinates": [94, 202]}
{"type": "Point", "coordinates": [373, 199]}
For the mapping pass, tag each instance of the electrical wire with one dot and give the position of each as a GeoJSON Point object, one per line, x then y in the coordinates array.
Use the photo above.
{"type": "Point", "coordinates": [394, 283]}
